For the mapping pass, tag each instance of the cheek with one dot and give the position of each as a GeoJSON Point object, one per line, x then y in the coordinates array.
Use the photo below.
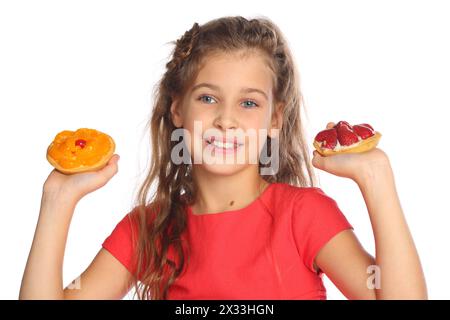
{"type": "Point", "coordinates": [257, 129]}
{"type": "Point", "coordinates": [193, 130]}
{"type": "Point", "coordinates": [197, 115]}
{"type": "Point", "coordinates": [259, 124]}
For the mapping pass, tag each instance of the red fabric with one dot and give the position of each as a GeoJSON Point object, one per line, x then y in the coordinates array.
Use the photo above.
{"type": "Point", "coordinates": [120, 242]}
{"type": "Point", "coordinates": [263, 251]}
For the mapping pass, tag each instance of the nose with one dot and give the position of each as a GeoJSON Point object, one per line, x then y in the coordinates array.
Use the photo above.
{"type": "Point", "coordinates": [225, 118]}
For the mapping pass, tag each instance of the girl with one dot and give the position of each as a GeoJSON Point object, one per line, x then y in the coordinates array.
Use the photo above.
{"type": "Point", "coordinates": [231, 230]}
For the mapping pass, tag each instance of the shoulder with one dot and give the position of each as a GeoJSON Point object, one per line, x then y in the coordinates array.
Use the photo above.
{"type": "Point", "coordinates": [315, 218]}
{"type": "Point", "coordinates": [134, 219]}
{"type": "Point", "coordinates": [313, 196]}
{"type": "Point", "coordinates": [284, 201]}
{"type": "Point", "coordinates": [288, 195]}
{"type": "Point", "coordinates": [123, 238]}
{"type": "Point", "coordinates": [302, 205]}
{"type": "Point", "coordinates": [298, 191]}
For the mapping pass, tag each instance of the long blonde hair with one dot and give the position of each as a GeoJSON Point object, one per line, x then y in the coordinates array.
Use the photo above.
{"type": "Point", "coordinates": [161, 220]}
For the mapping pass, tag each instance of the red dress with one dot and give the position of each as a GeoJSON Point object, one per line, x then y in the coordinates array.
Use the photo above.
{"type": "Point", "coordinates": [262, 251]}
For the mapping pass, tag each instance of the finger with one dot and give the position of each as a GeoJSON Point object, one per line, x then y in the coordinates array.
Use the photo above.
{"type": "Point", "coordinates": [111, 168]}
{"type": "Point", "coordinates": [114, 159]}
{"type": "Point", "coordinates": [330, 125]}
{"type": "Point", "coordinates": [317, 160]}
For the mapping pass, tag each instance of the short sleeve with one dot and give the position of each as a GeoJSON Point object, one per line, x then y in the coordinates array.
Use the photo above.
{"type": "Point", "coordinates": [316, 220]}
{"type": "Point", "coordinates": [120, 243]}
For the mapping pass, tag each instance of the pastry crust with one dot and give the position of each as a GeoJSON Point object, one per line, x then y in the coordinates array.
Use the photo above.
{"type": "Point", "coordinates": [362, 146]}
{"type": "Point", "coordinates": [99, 165]}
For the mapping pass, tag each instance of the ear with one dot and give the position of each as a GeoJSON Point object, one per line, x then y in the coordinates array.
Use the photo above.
{"type": "Point", "coordinates": [177, 119]}
{"type": "Point", "coordinates": [277, 120]}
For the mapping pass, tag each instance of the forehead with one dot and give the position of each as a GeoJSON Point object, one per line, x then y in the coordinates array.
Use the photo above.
{"type": "Point", "coordinates": [236, 70]}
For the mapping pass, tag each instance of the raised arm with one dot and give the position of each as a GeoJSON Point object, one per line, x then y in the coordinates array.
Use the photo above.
{"type": "Point", "coordinates": [105, 278]}
{"type": "Point", "coordinates": [396, 263]}
{"type": "Point", "coordinates": [396, 256]}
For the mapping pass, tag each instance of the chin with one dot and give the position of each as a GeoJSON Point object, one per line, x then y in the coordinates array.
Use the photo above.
{"type": "Point", "coordinates": [222, 169]}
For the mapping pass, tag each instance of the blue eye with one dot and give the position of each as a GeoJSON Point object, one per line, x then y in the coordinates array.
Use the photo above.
{"type": "Point", "coordinates": [254, 104]}
{"type": "Point", "coordinates": [207, 99]}
{"type": "Point", "coordinates": [204, 96]}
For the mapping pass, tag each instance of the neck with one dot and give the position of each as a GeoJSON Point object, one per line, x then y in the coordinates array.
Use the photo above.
{"type": "Point", "coordinates": [218, 193]}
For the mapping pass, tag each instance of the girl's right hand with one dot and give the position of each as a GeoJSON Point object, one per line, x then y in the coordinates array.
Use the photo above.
{"type": "Point", "coordinates": [76, 186]}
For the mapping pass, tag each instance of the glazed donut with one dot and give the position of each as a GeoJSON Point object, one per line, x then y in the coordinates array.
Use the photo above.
{"type": "Point", "coordinates": [344, 138]}
{"type": "Point", "coordinates": [79, 151]}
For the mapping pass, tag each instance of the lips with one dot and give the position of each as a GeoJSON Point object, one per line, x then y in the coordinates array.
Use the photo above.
{"type": "Point", "coordinates": [222, 142]}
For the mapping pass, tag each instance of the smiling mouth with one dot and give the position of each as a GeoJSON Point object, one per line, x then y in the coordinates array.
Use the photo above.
{"type": "Point", "coordinates": [223, 145]}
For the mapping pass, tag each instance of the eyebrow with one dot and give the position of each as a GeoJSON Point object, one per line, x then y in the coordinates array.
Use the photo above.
{"type": "Point", "coordinates": [217, 88]}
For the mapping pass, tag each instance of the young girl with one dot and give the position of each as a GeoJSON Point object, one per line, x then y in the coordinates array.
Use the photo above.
{"type": "Point", "coordinates": [231, 230]}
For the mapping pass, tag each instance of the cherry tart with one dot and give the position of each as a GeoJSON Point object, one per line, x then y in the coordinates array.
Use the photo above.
{"type": "Point", "coordinates": [345, 138]}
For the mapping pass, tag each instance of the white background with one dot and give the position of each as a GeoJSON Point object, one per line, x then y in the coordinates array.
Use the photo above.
{"type": "Point", "coordinates": [66, 65]}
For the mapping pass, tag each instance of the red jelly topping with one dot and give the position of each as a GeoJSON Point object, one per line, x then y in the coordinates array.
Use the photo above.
{"type": "Point", "coordinates": [81, 143]}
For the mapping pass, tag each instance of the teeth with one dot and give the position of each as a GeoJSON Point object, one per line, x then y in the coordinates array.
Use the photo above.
{"type": "Point", "coordinates": [226, 145]}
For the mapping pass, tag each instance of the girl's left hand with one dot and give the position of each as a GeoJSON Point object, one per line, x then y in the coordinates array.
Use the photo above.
{"type": "Point", "coordinates": [354, 166]}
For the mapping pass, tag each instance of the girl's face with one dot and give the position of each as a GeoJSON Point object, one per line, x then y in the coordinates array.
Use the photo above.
{"type": "Point", "coordinates": [226, 114]}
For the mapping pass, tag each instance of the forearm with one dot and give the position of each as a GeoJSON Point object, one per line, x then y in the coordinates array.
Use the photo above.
{"type": "Point", "coordinates": [396, 256]}
{"type": "Point", "coordinates": [42, 278]}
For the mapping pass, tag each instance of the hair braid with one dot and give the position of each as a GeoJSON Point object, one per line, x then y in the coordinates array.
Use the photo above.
{"type": "Point", "coordinates": [183, 48]}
